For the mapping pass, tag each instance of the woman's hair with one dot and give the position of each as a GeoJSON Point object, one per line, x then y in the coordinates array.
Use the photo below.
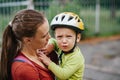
{"type": "Point", "coordinates": [24, 24]}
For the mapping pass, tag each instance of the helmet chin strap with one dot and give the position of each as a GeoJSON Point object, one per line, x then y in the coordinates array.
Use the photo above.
{"type": "Point", "coordinates": [71, 50]}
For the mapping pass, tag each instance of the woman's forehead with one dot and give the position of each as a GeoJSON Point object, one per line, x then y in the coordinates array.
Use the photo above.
{"type": "Point", "coordinates": [43, 29]}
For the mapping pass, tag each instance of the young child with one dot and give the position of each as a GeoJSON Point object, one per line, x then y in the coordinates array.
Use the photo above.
{"type": "Point", "coordinates": [67, 27]}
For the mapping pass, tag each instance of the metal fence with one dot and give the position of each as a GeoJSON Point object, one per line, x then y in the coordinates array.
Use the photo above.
{"type": "Point", "coordinates": [101, 17]}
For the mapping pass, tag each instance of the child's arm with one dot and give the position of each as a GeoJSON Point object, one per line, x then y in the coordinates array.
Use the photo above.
{"type": "Point", "coordinates": [64, 72]}
{"type": "Point", "coordinates": [48, 49]}
{"type": "Point", "coordinates": [51, 46]}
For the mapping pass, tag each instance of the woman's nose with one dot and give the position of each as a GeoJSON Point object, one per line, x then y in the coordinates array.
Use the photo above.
{"type": "Point", "coordinates": [49, 36]}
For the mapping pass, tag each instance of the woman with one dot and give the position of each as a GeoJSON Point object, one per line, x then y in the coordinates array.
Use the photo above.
{"type": "Point", "coordinates": [25, 34]}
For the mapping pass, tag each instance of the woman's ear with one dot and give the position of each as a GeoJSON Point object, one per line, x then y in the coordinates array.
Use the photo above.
{"type": "Point", "coordinates": [78, 37]}
{"type": "Point", "coordinates": [26, 40]}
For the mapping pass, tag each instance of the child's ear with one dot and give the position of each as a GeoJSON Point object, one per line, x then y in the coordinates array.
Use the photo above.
{"type": "Point", "coordinates": [78, 37]}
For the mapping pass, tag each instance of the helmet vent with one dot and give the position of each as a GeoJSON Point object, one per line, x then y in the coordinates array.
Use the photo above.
{"type": "Point", "coordinates": [76, 17]}
{"type": "Point", "coordinates": [78, 20]}
{"type": "Point", "coordinates": [62, 18]}
{"type": "Point", "coordinates": [56, 18]}
{"type": "Point", "coordinates": [70, 18]}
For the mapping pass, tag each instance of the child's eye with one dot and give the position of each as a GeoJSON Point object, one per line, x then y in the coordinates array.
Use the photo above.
{"type": "Point", "coordinates": [59, 37]}
{"type": "Point", "coordinates": [69, 36]}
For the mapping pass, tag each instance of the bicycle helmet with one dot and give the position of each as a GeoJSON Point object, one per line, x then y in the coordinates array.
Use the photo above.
{"type": "Point", "coordinates": [69, 20]}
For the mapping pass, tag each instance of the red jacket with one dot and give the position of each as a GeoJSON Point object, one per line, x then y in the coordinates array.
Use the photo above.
{"type": "Point", "coordinates": [25, 71]}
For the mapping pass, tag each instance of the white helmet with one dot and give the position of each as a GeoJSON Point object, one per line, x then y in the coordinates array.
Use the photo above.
{"type": "Point", "coordinates": [69, 20]}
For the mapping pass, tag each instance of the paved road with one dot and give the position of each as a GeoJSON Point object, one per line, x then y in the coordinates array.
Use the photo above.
{"type": "Point", "coordinates": [102, 60]}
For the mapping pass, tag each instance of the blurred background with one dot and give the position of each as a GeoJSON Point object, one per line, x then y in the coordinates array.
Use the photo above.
{"type": "Point", "coordinates": [100, 42]}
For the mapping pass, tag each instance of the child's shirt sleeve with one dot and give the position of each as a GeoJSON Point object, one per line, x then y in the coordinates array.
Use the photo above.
{"type": "Point", "coordinates": [72, 64]}
{"type": "Point", "coordinates": [53, 41]}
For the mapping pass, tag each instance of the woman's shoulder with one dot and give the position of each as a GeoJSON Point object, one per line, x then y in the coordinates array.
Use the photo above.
{"type": "Point", "coordinates": [22, 70]}
{"type": "Point", "coordinates": [21, 66]}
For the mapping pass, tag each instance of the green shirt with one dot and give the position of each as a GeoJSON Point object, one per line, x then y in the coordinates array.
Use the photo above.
{"type": "Point", "coordinates": [72, 66]}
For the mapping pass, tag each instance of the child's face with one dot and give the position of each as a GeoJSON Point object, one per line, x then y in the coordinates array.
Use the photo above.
{"type": "Point", "coordinates": [65, 38]}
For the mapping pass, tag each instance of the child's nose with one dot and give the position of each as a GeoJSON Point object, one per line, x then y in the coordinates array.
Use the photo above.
{"type": "Point", "coordinates": [64, 40]}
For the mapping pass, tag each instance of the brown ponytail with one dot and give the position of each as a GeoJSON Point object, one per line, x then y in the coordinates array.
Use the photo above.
{"type": "Point", "coordinates": [24, 24]}
{"type": "Point", "coordinates": [9, 47]}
